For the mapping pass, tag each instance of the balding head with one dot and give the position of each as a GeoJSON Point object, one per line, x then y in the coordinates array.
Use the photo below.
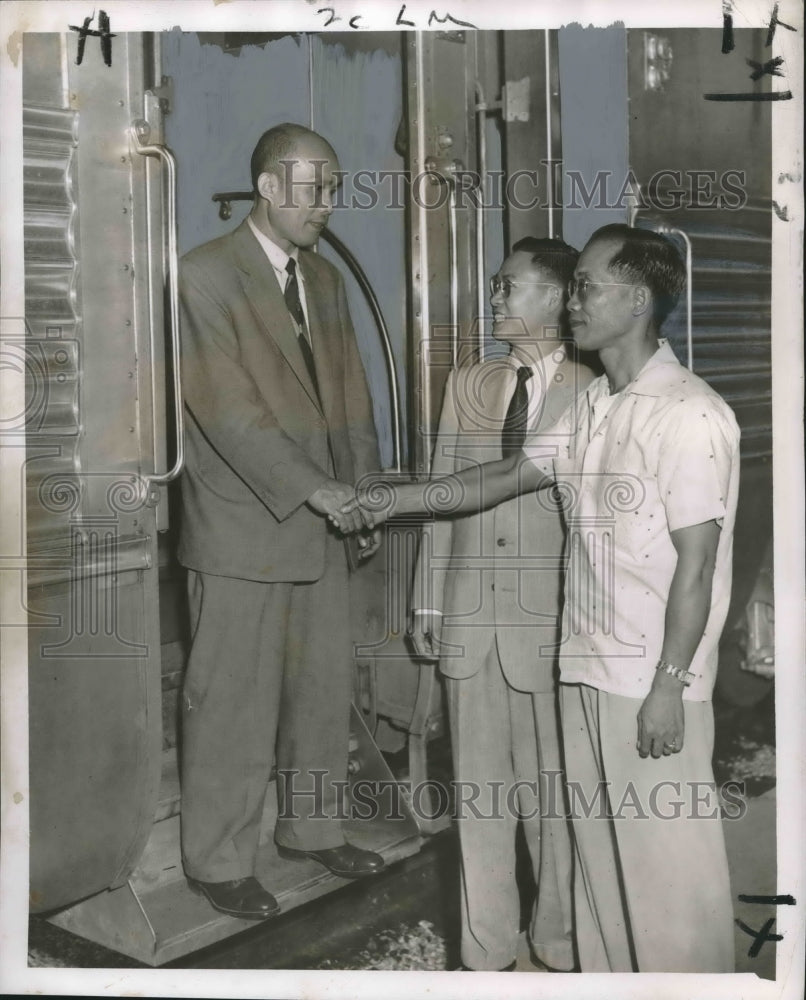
{"type": "Point", "coordinates": [285, 142]}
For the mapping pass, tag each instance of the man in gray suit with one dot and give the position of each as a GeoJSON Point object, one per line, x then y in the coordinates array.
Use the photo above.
{"type": "Point", "coordinates": [279, 423]}
{"type": "Point", "coordinates": [486, 602]}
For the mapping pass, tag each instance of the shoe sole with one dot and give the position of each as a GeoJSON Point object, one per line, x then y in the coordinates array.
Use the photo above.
{"type": "Point", "coordinates": [288, 854]}
{"type": "Point", "coordinates": [199, 891]}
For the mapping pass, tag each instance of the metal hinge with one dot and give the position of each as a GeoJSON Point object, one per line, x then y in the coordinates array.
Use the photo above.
{"type": "Point", "coordinates": [515, 100]}
{"type": "Point", "coordinates": [164, 94]}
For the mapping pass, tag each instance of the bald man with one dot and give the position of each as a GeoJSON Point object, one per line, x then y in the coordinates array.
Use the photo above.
{"type": "Point", "coordinates": [279, 425]}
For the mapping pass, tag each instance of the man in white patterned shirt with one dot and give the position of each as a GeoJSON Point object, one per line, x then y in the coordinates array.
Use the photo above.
{"type": "Point", "coordinates": [648, 462]}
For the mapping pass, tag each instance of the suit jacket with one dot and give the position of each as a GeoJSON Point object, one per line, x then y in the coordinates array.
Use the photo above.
{"type": "Point", "coordinates": [501, 569]}
{"type": "Point", "coordinates": [258, 442]}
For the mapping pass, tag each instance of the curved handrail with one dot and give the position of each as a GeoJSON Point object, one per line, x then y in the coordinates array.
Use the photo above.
{"type": "Point", "coordinates": [667, 230]}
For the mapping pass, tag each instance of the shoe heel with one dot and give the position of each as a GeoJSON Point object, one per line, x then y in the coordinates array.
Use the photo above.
{"type": "Point", "coordinates": [195, 888]}
{"type": "Point", "coordinates": [289, 855]}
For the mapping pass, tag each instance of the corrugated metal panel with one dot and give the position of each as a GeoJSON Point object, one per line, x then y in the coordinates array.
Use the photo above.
{"type": "Point", "coordinates": [731, 288]}
{"type": "Point", "coordinates": [53, 364]}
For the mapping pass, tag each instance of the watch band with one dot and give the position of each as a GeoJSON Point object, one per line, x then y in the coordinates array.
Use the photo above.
{"type": "Point", "coordinates": [684, 676]}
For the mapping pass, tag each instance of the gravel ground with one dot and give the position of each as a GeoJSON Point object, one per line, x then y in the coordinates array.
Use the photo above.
{"type": "Point", "coordinates": [418, 947]}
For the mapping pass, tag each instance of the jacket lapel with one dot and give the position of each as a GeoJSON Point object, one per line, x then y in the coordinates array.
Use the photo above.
{"type": "Point", "coordinates": [263, 293]}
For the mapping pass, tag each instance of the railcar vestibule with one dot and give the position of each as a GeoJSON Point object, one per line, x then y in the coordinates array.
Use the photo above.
{"type": "Point", "coordinates": [454, 144]}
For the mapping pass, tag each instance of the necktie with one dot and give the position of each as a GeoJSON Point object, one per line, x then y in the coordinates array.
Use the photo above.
{"type": "Point", "coordinates": [292, 300]}
{"type": "Point", "coordinates": [514, 432]}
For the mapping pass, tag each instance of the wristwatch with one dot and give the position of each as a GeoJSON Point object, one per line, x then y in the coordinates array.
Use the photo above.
{"type": "Point", "coordinates": [684, 676]}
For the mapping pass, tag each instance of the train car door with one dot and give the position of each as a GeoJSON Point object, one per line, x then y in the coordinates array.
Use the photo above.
{"type": "Point", "coordinates": [95, 433]}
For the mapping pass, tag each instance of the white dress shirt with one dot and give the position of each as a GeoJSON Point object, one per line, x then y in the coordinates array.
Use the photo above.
{"type": "Point", "coordinates": [278, 259]}
{"type": "Point", "coordinates": [632, 467]}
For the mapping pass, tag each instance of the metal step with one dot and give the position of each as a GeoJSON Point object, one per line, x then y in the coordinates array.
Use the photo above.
{"type": "Point", "coordinates": [155, 917]}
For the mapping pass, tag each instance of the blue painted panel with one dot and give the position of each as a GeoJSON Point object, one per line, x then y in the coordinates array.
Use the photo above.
{"type": "Point", "coordinates": [357, 106]}
{"type": "Point", "coordinates": [594, 102]}
{"type": "Point", "coordinates": [222, 104]}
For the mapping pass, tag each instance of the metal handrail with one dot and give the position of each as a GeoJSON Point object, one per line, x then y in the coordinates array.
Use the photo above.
{"type": "Point", "coordinates": [141, 133]}
{"type": "Point", "coordinates": [673, 231]}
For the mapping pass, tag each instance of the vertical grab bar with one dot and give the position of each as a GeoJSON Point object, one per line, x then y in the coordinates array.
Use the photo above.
{"type": "Point", "coordinates": [481, 267]}
{"type": "Point", "coordinates": [454, 272]}
{"type": "Point", "coordinates": [673, 231]}
{"type": "Point", "coordinates": [141, 133]}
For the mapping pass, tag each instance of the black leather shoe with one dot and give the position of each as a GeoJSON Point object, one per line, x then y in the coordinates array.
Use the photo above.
{"type": "Point", "coordinates": [507, 968]}
{"type": "Point", "coordinates": [346, 861]}
{"type": "Point", "coordinates": [242, 897]}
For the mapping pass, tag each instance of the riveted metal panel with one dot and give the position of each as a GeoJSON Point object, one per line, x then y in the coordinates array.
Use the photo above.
{"type": "Point", "coordinates": [94, 681]}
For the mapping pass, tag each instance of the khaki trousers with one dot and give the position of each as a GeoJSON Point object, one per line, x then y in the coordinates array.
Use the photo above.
{"type": "Point", "coordinates": [501, 736]}
{"type": "Point", "coordinates": [269, 673]}
{"type": "Point", "coordinates": [651, 891]}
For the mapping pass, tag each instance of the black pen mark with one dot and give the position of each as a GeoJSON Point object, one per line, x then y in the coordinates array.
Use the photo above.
{"type": "Point", "coordinates": [760, 937]}
{"type": "Point", "coordinates": [83, 31]}
{"type": "Point", "coordinates": [333, 16]}
{"type": "Point", "coordinates": [772, 66]}
{"type": "Point", "coordinates": [776, 95]}
{"type": "Point", "coordinates": [774, 22]}
{"type": "Point", "coordinates": [400, 21]}
{"type": "Point", "coordinates": [772, 900]}
{"type": "Point", "coordinates": [433, 16]}
{"type": "Point", "coordinates": [727, 28]}
{"type": "Point", "coordinates": [103, 33]}
{"type": "Point", "coordinates": [353, 19]}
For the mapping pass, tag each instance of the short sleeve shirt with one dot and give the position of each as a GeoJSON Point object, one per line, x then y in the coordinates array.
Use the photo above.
{"type": "Point", "coordinates": [632, 467]}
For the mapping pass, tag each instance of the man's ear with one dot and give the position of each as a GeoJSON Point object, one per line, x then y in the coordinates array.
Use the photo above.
{"type": "Point", "coordinates": [642, 300]}
{"type": "Point", "coordinates": [268, 185]}
{"type": "Point", "coordinates": [556, 296]}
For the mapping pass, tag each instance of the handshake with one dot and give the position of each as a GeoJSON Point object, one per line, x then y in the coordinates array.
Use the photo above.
{"type": "Point", "coordinates": [362, 509]}
{"type": "Point", "coordinates": [344, 507]}
{"type": "Point", "coordinates": [355, 512]}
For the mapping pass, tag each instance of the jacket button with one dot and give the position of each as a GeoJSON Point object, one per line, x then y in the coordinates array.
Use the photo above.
{"type": "Point", "coordinates": [501, 543]}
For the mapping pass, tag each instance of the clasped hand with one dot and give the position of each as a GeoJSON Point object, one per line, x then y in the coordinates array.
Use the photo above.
{"type": "Point", "coordinates": [353, 511]}
{"type": "Point", "coordinates": [338, 503]}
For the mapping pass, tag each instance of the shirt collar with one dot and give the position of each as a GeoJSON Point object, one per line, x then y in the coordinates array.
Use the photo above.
{"type": "Point", "coordinates": [661, 372]}
{"type": "Point", "coordinates": [548, 364]}
{"type": "Point", "coordinates": [278, 258]}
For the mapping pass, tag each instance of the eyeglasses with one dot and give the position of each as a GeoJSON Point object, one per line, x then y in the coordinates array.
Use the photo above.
{"type": "Point", "coordinates": [505, 285]}
{"type": "Point", "coordinates": [581, 286]}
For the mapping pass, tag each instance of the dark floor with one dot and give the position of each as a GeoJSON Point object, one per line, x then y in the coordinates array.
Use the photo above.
{"type": "Point", "coordinates": [407, 918]}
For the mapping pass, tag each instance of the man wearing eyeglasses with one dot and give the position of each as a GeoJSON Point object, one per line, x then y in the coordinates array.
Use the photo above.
{"type": "Point", "coordinates": [486, 603]}
{"type": "Point", "coordinates": [648, 462]}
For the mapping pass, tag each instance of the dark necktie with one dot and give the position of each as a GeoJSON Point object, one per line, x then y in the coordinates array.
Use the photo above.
{"type": "Point", "coordinates": [294, 304]}
{"type": "Point", "coordinates": [514, 432]}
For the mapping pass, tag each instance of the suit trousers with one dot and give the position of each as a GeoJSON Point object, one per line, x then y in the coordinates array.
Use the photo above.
{"type": "Point", "coordinates": [502, 737]}
{"type": "Point", "coordinates": [652, 892]}
{"type": "Point", "coordinates": [269, 675]}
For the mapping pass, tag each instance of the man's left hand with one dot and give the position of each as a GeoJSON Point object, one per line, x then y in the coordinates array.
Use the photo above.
{"type": "Point", "coordinates": [660, 718]}
{"type": "Point", "coordinates": [368, 543]}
